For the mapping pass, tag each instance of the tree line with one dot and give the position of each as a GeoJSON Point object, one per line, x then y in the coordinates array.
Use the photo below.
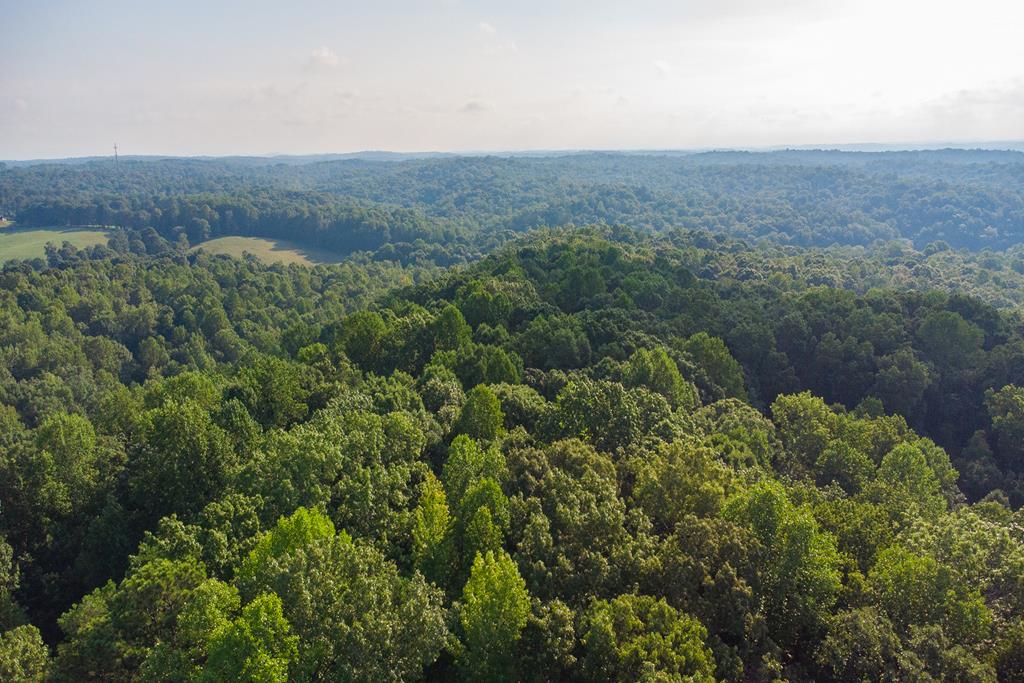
{"type": "Point", "coordinates": [967, 199]}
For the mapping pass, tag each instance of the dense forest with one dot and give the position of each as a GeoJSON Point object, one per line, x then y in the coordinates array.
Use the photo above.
{"type": "Point", "coordinates": [968, 199]}
{"type": "Point", "coordinates": [577, 458]}
{"type": "Point", "coordinates": [732, 431]}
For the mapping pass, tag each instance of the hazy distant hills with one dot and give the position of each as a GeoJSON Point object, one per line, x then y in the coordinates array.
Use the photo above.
{"type": "Point", "coordinates": [966, 152]}
{"type": "Point", "coordinates": [971, 198]}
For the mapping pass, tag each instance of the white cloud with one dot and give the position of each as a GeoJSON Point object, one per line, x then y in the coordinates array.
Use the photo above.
{"type": "Point", "coordinates": [985, 112]}
{"type": "Point", "coordinates": [474, 107]}
{"type": "Point", "coordinates": [270, 94]}
{"type": "Point", "coordinates": [492, 41]}
{"type": "Point", "coordinates": [662, 68]}
{"type": "Point", "coordinates": [325, 57]}
{"type": "Point", "coordinates": [20, 104]}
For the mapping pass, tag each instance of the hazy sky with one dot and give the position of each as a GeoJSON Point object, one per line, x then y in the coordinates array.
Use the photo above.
{"type": "Point", "coordinates": [255, 77]}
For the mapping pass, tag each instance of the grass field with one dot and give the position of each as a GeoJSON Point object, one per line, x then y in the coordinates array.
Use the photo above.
{"type": "Point", "coordinates": [268, 250]}
{"type": "Point", "coordinates": [29, 243]}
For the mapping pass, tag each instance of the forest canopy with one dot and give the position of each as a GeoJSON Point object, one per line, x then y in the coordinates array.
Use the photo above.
{"type": "Point", "coordinates": [969, 199]}
{"type": "Point", "coordinates": [639, 452]}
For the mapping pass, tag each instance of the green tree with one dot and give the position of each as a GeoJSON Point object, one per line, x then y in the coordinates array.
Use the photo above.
{"type": "Point", "coordinates": [844, 465]}
{"type": "Point", "coordinates": [10, 577]}
{"type": "Point", "coordinates": [655, 369]}
{"type": "Point", "coordinates": [642, 638]}
{"type": "Point", "coordinates": [799, 579]}
{"type": "Point", "coordinates": [181, 461]}
{"type": "Point", "coordinates": [299, 529]}
{"type": "Point", "coordinates": [486, 364]}
{"type": "Point", "coordinates": [273, 389]}
{"type": "Point", "coordinates": [197, 386]}
{"type": "Point", "coordinates": [441, 390]}
{"type": "Point", "coordinates": [356, 617]}
{"type": "Point", "coordinates": [601, 412]}
{"type": "Point", "coordinates": [939, 657]}
{"type": "Point", "coordinates": [181, 654]}
{"type": "Point", "coordinates": [152, 355]}
{"type": "Point", "coordinates": [481, 417]}
{"type": "Point", "coordinates": [493, 612]}
{"type": "Point", "coordinates": [677, 480]}
{"type": "Point", "coordinates": [709, 568]}
{"type": "Point", "coordinates": [742, 430]}
{"type": "Point", "coordinates": [450, 330]}
{"type": "Point", "coordinates": [1009, 664]}
{"type": "Point", "coordinates": [861, 527]}
{"type": "Point", "coordinates": [73, 463]}
{"type": "Point", "coordinates": [806, 426]}
{"type": "Point", "coordinates": [361, 338]}
{"type": "Point", "coordinates": [468, 463]}
{"type": "Point", "coordinates": [256, 648]}
{"type": "Point", "coordinates": [23, 655]}
{"type": "Point", "coordinates": [115, 629]}
{"type": "Point", "coordinates": [906, 486]}
{"type": "Point", "coordinates": [948, 340]}
{"type": "Point", "coordinates": [1006, 410]}
{"type": "Point", "coordinates": [580, 285]}
{"type": "Point", "coordinates": [483, 302]}
{"type": "Point", "coordinates": [555, 342]}
{"type": "Point", "coordinates": [483, 520]}
{"type": "Point", "coordinates": [901, 382]}
{"type": "Point", "coordinates": [915, 589]}
{"type": "Point", "coordinates": [573, 541]}
{"type": "Point", "coordinates": [432, 532]}
{"type": "Point", "coordinates": [861, 646]}
{"type": "Point", "coordinates": [547, 648]}
{"type": "Point", "coordinates": [718, 374]}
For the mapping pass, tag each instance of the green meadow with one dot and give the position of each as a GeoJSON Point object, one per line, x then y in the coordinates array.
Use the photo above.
{"type": "Point", "coordinates": [29, 243]}
{"type": "Point", "coordinates": [268, 250]}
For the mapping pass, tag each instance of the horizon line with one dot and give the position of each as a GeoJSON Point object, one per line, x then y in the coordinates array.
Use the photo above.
{"type": "Point", "coordinates": [1012, 145]}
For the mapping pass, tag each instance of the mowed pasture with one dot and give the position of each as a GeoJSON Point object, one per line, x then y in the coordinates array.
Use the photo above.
{"type": "Point", "coordinates": [268, 250]}
{"type": "Point", "coordinates": [30, 243]}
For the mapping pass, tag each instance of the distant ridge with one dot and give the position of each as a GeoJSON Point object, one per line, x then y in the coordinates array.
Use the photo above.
{"type": "Point", "coordinates": [997, 146]}
{"type": "Point", "coordinates": [259, 160]}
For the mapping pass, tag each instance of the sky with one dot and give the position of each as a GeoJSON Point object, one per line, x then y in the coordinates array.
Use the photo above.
{"type": "Point", "coordinates": [217, 77]}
